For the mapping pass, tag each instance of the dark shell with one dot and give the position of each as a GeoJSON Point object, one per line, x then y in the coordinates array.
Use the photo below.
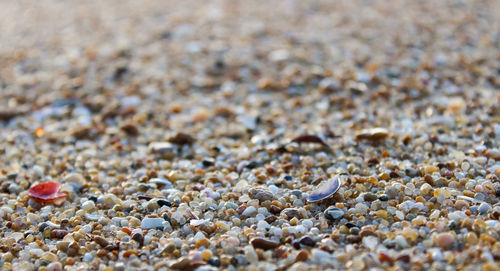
{"type": "Point", "coordinates": [325, 190]}
{"type": "Point", "coordinates": [309, 139]}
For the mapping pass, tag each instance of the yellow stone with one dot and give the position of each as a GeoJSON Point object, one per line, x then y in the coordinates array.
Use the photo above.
{"type": "Point", "coordinates": [222, 226]}
{"type": "Point", "coordinates": [383, 176]}
{"type": "Point", "coordinates": [471, 238]}
{"type": "Point", "coordinates": [206, 254]}
{"type": "Point", "coordinates": [430, 169]}
{"type": "Point", "coordinates": [343, 229]}
{"type": "Point", "coordinates": [419, 221]}
{"type": "Point", "coordinates": [491, 267]}
{"type": "Point", "coordinates": [294, 221]}
{"type": "Point", "coordinates": [202, 242]}
{"type": "Point", "coordinates": [410, 234]}
{"type": "Point", "coordinates": [382, 214]}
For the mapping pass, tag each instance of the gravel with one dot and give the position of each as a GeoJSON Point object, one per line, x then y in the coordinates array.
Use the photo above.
{"type": "Point", "coordinates": [204, 137]}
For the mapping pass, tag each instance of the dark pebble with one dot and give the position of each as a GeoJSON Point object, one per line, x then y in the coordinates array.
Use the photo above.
{"type": "Point", "coordinates": [354, 230]}
{"type": "Point", "coordinates": [166, 217]}
{"type": "Point", "coordinates": [353, 238]}
{"type": "Point", "coordinates": [333, 213]}
{"type": "Point", "coordinates": [101, 241]}
{"type": "Point", "coordinates": [288, 178]}
{"type": "Point", "coordinates": [208, 162]}
{"type": "Point", "coordinates": [307, 241]}
{"type": "Point", "coordinates": [350, 225]}
{"type": "Point", "coordinates": [252, 165]}
{"type": "Point", "coordinates": [452, 225]}
{"type": "Point", "coordinates": [275, 209]}
{"type": "Point", "coordinates": [58, 234]}
{"type": "Point", "coordinates": [43, 227]}
{"type": "Point", "coordinates": [138, 238]}
{"type": "Point", "coordinates": [214, 261]}
{"type": "Point", "coordinates": [369, 197]}
{"type": "Point", "coordinates": [163, 202]}
{"type": "Point", "coordinates": [383, 198]}
{"type": "Point", "coordinates": [264, 243]}
{"type": "Point", "coordinates": [404, 258]}
{"type": "Point", "coordinates": [270, 219]}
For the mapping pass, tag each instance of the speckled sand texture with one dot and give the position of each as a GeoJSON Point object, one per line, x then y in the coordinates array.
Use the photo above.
{"type": "Point", "coordinates": [250, 135]}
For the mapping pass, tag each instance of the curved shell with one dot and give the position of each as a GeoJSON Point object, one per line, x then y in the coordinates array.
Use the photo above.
{"type": "Point", "coordinates": [47, 192]}
{"type": "Point", "coordinates": [325, 190]}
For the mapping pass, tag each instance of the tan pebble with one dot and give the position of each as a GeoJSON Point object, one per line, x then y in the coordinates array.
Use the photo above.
{"type": "Point", "coordinates": [302, 256]}
{"type": "Point", "coordinates": [206, 254]}
{"type": "Point", "coordinates": [410, 234]}
{"type": "Point", "coordinates": [419, 221]}
{"type": "Point", "coordinates": [491, 267]}
{"type": "Point", "coordinates": [70, 261]}
{"type": "Point", "coordinates": [367, 231]}
{"type": "Point", "coordinates": [445, 240]}
{"type": "Point", "coordinates": [471, 238]}
{"type": "Point", "coordinates": [430, 169]}
{"type": "Point", "coordinates": [382, 214]}
{"type": "Point", "coordinates": [51, 257]}
{"type": "Point", "coordinates": [203, 242]}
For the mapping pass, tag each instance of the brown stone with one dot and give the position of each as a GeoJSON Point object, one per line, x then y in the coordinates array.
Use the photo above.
{"type": "Point", "coordinates": [302, 256]}
{"type": "Point", "coordinates": [264, 243]}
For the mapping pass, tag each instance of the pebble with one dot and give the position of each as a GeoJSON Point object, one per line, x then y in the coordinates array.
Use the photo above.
{"type": "Point", "coordinates": [260, 194]}
{"type": "Point", "coordinates": [333, 213]}
{"type": "Point", "coordinates": [152, 223]}
{"type": "Point", "coordinates": [214, 140]}
{"type": "Point", "coordinates": [263, 243]}
{"type": "Point", "coordinates": [445, 240]}
{"type": "Point", "coordinates": [484, 208]}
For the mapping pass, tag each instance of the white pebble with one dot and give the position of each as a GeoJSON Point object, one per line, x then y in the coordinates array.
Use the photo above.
{"type": "Point", "coordinates": [249, 211]}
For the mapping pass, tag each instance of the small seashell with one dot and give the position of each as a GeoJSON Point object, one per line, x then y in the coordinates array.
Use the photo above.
{"type": "Point", "coordinates": [373, 134]}
{"type": "Point", "coordinates": [325, 190]}
{"type": "Point", "coordinates": [310, 139]}
{"type": "Point", "coordinates": [46, 192]}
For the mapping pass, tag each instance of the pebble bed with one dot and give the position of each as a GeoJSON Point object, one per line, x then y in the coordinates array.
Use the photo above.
{"type": "Point", "coordinates": [171, 124]}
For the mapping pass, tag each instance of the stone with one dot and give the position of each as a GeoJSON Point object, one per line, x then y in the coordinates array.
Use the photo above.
{"type": "Point", "coordinates": [445, 240]}
{"type": "Point", "coordinates": [264, 243]}
{"type": "Point", "coordinates": [152, 223]}
{"type": "Point", "coordinates": [333, 213]}
{"type": "Point", "coordinates": [260, 194]}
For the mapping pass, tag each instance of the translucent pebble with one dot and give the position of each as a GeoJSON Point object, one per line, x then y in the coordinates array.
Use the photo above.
{"type": "Point", "coordinates": [400, 215]}
{"type": "Point", "coordinates": [307, 223]}
{"type": "Point", "coordinates": [249, 211]}
{"type": "Point", "coordinates": [401, 241]}
{"type": "Point", "coordinates": [361, 208]}
{"type": "Point", "coordinates": [263, 225]}
{"type": "Point", "coordinates": [370, 242]}
{"type": "Point", "coordinates": [250, 254]}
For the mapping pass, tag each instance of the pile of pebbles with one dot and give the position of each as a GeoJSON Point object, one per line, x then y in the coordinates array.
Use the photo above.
{"type": "Point", "coordinates": [234, 135]}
